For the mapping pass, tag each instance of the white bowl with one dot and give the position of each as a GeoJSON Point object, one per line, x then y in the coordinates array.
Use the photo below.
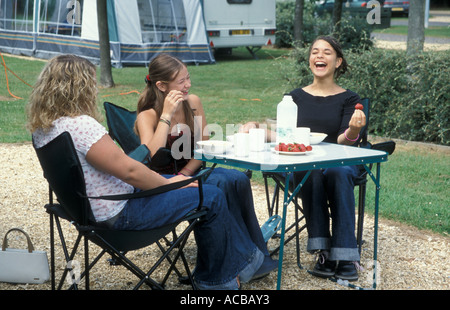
{"type": "Point", "coordinates": [215, 146]}
{"type": "Point", "coordinates": [317, 137]}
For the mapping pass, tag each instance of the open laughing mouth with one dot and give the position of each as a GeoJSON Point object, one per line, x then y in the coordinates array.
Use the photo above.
{"type": "Point", "coordinates": [320, 64]}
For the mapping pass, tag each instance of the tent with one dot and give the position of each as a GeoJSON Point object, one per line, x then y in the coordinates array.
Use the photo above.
{"type": "Point", "coordinates": [138, 29]}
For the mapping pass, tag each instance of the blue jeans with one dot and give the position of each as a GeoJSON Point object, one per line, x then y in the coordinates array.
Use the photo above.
{"type": "Point", "coordinates": [333, 187]}
{"type": "Point", "coordinates": [224, 249]}
{"type": "Point", "coordinates": [238, 192]}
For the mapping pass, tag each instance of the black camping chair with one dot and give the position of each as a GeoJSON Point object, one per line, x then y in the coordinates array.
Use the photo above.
{"type": "Point", "coordinates": [64, 174]}
{"type": "Point", "coordinates": [120, 123]}
{"type": "Point", "coordinates": [361, 182]}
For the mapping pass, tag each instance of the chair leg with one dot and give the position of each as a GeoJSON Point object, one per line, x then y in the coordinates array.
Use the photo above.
{"type": "Point", "coordinates": [52, 251]}
{"type": "Point", "coordinates": [68, 257]}
{"type": "Point", "coordinates": [86, 261]}
{"type": "Point", "coordinates": [273, 209]}
{"type": "Point", "coordinates": [179, 243]}
{"type": "Point", "coordinates": [361, 207]}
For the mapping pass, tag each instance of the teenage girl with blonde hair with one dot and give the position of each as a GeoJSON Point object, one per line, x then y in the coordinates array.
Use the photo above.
{"type": "Point", "coordinates": [65, 99]}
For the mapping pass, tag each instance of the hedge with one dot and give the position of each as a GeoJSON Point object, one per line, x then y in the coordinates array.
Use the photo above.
{"type": "Point", "coordinates": [410, 96]}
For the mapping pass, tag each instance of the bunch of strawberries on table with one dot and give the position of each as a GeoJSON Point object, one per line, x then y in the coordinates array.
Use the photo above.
{"type": "Point", "coordinates": [292, 147]}
{"type": "Point", "coordinates": [300, 147]}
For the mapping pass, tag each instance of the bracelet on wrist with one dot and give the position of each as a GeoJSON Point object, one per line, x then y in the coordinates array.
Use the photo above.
{"type": "Point", "coordinates": [348, 139]}
{"type": "Point", "coordinates": [165, 121]}
{"type": "Point", "coordinates": [188, 170]}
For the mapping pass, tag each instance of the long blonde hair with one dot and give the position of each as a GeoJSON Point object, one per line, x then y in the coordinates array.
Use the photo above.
{"type": "Point", "coordinates": [66, 87]}
{"type": "Point", "coordinates": [163, 68]}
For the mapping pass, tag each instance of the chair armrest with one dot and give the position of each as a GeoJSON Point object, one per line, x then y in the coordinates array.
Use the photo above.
{"type": "Point", "coordinates": [158, 190]}
{"type": "Point", "coordinates": [388, 147]}
{"type": "Point", "coordinates": [141, 154]}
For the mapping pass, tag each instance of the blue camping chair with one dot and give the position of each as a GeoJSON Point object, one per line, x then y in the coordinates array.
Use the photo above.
{"type": "Point", "coordinates": [120, 123]}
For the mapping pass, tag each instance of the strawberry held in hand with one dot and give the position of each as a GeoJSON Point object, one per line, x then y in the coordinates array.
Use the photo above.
{"type": "Point", "coordinates": [359, 106]}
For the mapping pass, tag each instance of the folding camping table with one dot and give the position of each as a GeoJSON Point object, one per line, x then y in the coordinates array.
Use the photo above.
{"type": "Point", "coordinates": [323, 155]}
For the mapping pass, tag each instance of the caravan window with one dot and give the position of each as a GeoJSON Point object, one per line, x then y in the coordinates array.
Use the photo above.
{"type": "Point", "coordinates": [61, 17]}
{"type": "Point", "coordinates": [162, 21]}
{"type": "Point", "coordinates": [239, 1]}
{"type": "Point", "coordinates": [16, 15]}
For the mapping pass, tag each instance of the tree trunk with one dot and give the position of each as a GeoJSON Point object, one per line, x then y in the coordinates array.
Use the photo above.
{"type": "Point", "coordinates": [337, 15]}
{"type": "Point", "coordinates": [298, 21]}
{"type": "Point", "coordinates": [416, 27]}
{"type": "Point", "coordinates": [106, 79]}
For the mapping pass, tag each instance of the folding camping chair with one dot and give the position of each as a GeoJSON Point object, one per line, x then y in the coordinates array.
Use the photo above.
{"type": "Point", "coordinates": [279, 179]}
{"type": "Point", "coordinates": [64, 174]}
{"type": "Point", "coordinates": [120, 123]}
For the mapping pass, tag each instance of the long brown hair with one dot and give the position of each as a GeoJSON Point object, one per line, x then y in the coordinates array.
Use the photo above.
{"type": "Point", "coordinates": [163, 68]}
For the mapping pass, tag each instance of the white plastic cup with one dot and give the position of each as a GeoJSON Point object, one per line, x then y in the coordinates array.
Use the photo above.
{"type": "Point", "coordinates": [302, 135]}
{"type": "Point", "coordinates": [241, 144]}
{"type": "Point", "coordinates": [257, 138]}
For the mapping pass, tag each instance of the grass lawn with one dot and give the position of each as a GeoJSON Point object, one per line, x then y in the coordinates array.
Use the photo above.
{"type": "Point", "coordinates": [238, 88]}
{"type": "Point", "coordinates": [432, 31]}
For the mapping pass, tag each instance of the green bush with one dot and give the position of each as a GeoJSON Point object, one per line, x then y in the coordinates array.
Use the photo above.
{"type": "Point", "coordinates": [410, 95]}
{"type": "Point", "coordinates": [354, 32]}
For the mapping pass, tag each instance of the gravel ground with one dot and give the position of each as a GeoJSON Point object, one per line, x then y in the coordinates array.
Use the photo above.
{"type": "Point", "coordinates": [408, 259]}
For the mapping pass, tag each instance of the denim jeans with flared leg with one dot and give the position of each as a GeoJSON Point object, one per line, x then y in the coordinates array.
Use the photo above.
{"type": "Point", "coordinates": [333, 188]}
{"type": "Point", "coordinates": [224, 250]}
{"type": "Point", "coordinates": [238, 192]}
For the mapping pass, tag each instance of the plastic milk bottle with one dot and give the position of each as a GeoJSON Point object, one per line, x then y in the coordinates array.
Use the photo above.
{"type": "Point", "coordinates": [286, 120]}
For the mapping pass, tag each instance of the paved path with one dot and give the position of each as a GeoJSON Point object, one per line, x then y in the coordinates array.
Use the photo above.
{"type": "Point", "coordinates": [437, 18]}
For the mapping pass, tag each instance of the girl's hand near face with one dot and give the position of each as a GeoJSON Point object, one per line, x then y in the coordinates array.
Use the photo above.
{"type": "Point", "coordinates": [171, 103]}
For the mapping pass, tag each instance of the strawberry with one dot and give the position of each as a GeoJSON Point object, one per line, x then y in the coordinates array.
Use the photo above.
{"type": "Point", "coordinates": [359, 106]}
{"type": "Point", "coordinates": [302, 148]}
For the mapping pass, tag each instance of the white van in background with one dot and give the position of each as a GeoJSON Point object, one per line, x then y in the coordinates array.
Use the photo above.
{"type": "Point", "coordinates": [233, 23]}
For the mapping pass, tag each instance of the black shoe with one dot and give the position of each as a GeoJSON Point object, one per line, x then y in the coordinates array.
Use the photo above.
{"type": "Point", "coordinates": [324, 268]}
{"type": "Point", "coordinates": [346, 271]}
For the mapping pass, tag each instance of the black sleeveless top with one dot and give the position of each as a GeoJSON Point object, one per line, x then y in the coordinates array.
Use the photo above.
{"type": "Point", "coordinates": [177, 164]}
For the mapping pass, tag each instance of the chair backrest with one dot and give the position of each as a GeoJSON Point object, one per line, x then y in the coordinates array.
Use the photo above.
{"type": "Point", "coordinates": [120, 124]}
{"type": "Point", "coordinates": [121, 128]}
{"type": "Point", "coordinates": [63, 172]}
{"type": "Point", "coordinates": [365, 130]}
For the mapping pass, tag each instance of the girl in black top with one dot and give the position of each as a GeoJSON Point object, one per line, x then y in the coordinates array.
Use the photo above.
{"type": "Point", "coordinates": [326, 107]}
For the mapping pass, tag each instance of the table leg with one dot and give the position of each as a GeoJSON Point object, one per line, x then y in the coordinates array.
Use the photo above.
{"type": "Point", "coordinates": [376, 180]}
{"type": "Point", "coordinates": [287, 199]}
{"type": "Point", "coordinates": [375, 238]}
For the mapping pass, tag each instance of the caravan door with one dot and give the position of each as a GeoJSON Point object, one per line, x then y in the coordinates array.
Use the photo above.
{"type": "Point", "coordinates": [233, 23]}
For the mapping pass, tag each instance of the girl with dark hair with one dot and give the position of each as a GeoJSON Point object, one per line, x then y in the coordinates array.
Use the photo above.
{"type": "Point", "coordinates": [326, 107]}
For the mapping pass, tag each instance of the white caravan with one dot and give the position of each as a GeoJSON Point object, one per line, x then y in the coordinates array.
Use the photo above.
{"type": "Point", "coordinates": [233, 23]}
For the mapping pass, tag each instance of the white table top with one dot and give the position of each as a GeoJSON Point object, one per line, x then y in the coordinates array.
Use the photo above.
{"type": "Point", "coordinates": [323, 155]}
